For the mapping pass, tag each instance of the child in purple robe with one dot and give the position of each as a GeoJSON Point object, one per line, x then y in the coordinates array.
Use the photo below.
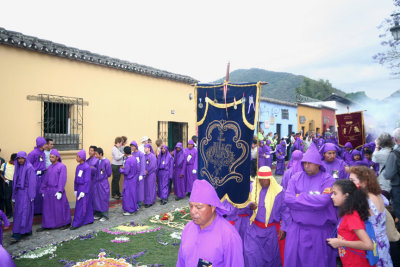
{"type": "Point", "coordinates": [24, 192]}
{"type": "Point", "coordinates": [368, 159]}
{"type": "Point", "coordinates": [346, 155]}
{"type": "Point", "coordinates": [294, 166]}
{"type": "Point", "coordinates": [189, 170]}
{"type": "Point", "coordinates": [280, 158]}
{"type": "Point", "coordinates": [130, 171]}
{"type": "Point", "coordinates": [333, 165]}
{"type": "Point", "coordinates": [356, 159]}
{"type": "Point", "coordinates": [139, 176]}
{"type": "Point", "coordinates": [4, 223]}
{"type": "Point", "coordinates": [179, 182]}
{"type": "Point", "coordinates": [37, 158]}
{"type": "Point", "coordinates": [264, 239]}
{"type": "Point", "coordinates": [308, 197]}
{"type": "Point", "coordinates": [101, 186]}
{"type": "Point", "coordinates": [164, 173]}
{"type": "Point", "coordinates": [150, 178]}
{"type": "Point", "coordinates": [56, 212]}
{"type": "Point", "coordinates": [84, 206]}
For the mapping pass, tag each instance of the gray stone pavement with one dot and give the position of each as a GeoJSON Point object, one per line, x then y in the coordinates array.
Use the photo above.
{"type": "Point", "coordinates": [116, 218]}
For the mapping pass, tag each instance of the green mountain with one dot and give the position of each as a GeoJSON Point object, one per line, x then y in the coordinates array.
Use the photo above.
{"type": "Point", "coordinates": [282, 85]}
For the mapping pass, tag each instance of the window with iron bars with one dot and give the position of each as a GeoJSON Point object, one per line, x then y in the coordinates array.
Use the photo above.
{"type": "Point", "coordinates": [285, 114]}
{"type": "Point", "coordinates": [62, 121]}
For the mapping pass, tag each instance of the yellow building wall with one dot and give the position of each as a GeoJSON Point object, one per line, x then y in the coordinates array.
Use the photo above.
{"type": "Point", "coordinates": [311, 114]}
{"type": "Point", "coordinates": [119, 103]}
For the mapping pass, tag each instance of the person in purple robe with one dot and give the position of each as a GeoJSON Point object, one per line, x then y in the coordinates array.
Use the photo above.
{"type": "Point", "coordinates": [269, 220]}
{"type": "Point", "coordinates": [164, 173]}
{"type": "Point", "coordinates": [84, 206]}
{"type": "Point", "coordinates": [261, 155]}
{"type": "Point", "coordinates": [37, 158]}
{"type": "Point", "coordinates": [92, 161]}
{"type": "Point", "coordinates": [367, 146]}
{"type": "Point", "coordinates": [209, 240]}
{"type": "Point", "coordinates": [308, 197]}
{"type": "Point", "coordinates": [139, 176]}
{"type": "Point", "coordinates": [294, 166]}
{"type": "Point", "coordinates": [372, 165]}
{"type": "Point", "coordinates": [189, 170]}
{"type": "Point", "coordinates": [23, 196]}
{"type": "Point", "coordinates": [346, 155]}
{"type": "Point", "coordinates": [356, 159]}
{"type": "Point", "coordinates": [56, 212]}
{"type": "Point", "coordinates": [4, 223]}
{"type": "Point", "coordinates": [333, 165]}
{"type": "Point", "coordinates": [280, 158]}
{"type": "Point", "coordinates": [101, 187]}
{"type": "Point", "coordinates": [5, 258]}
{"type": "Point", "coordinates": [130, 171]}
{"type": "Point", "coordinates": [268, 153]}
{"type": "Point", "coordinates": [150, 178]}
{"type": "Point", "coordinates": [298, 144]}
{"type": "Point", "coordinates": [179, 182]}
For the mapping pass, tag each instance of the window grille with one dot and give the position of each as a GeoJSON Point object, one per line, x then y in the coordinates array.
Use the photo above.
{"type": "Point", "coordinates": [285, 114]}
{"type": "Point", "coordinates": [62, 121]}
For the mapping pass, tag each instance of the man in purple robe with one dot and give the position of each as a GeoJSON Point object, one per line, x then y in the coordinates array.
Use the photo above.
{"type": "Point", "coordinates": [92, 161]}
{"type": "Point", "coordinates": [84, 206]}
{"type": "Point", "coordinates": [314, 217]}
{"type": "Point", "coordinates": [101, 187]}
{"type": "Point", "coordinates": [268, 154]}
{"type": "Point", "coordinates": [56, 212]}
{"type": "Point", "coordinates": [164, 173]}
{"type": "Point", "coordinates": [130, 171]}
{"type": "Point", "coordinates": [298, 144]}
{"type": "Point", "coordinates": [333, 165]}
{"type": "Point", "coordinates": [269, 221]}
{"type": "Point", "coordinates": [150, 178]}
{"type": "Point", "coordinates": [294, 166]}
{"type": "Point", "coordinates": [179, 182]}
{"type": "Point", "coordinates": [24, 192]}
{"type": "Point", "coordinates": [261, 155]}
{"type": "Point", "coordinates": [139, 176]}
{"type": "Point", "coordinates": [346, 155]}
{"type": "Point", "coordinates": [280, 157]}
{"type": "Point", "coordinates": [189, 170]}
{"type": "Point", "coordinates": [209, 240]}
{"type": "Point", "coordinates": [37, 158]}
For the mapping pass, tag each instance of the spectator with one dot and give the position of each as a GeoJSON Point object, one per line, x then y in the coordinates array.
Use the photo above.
{"type": "Point", "coordinates": [116, 164]}
{"type": "Point", "coordinates": [50, 146]}
{"type": "Point", "coordinates": [7, 174]}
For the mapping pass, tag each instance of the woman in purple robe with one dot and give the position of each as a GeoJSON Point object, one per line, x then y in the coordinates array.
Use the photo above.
{"type": "Point", "coordinates": [56, 211]}
{"type": "Point", "coordinates": [280, 158]}
{"type": "Point", "coordinates": [150, 178]}
{"type": "Point", "coordinates": [261, 154]}
{"type": "Point", "coordinates": [37, 158]}
{"type": "Point", "coordinates": [333, 165]}
{"type": "Point", "coordinates": [101, 186]}
{"type": "Point", "coordinates": [179, 182]}
{"type": "Point", "coordinates": [24, 192]}
{"type": "Point", "coordinates": [139, 176]}
{"type": "Point", "coordinates": [164, 173]}
{"type": "Point", "coordinates": [130, 171]}
{"type": "Point", "coordinates": [308, 197]}
{"type": "Point", "coordinates": [84, 206]}
{"type": "Point", "coordinates": [294, 166]}
{"type": "Point", "coordinates": [189, 170]}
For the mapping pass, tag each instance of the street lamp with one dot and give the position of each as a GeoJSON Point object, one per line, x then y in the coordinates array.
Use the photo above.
{"type": "Point", "coordinates": [395, 30]}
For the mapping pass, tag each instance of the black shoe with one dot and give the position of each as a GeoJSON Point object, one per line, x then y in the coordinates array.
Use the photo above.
{"type": "Point", "coordinates": [13, 240]}
{"type": "Point", "coordinates": [41, 229]}
{"type": "Point", "coordinates": [73, 228]}
{"type": "Point", "coordinates": [163, 202]}
{"type": "Point", "coordinates": [178, 198]}
{"type": "Point", "coordinates": [64, 227]}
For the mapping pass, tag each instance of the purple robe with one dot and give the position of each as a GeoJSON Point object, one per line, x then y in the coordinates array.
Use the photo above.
{"type": "Point", "coordinates": [84, 206]}
{"type": "Point", "coordinates": [3, 223]}
{"type": "Point", "coordinates": [92, 163]}
{"type": "Point", "coordinates": [24, 192]}
{"type": "Point", "coordinates": [239, 218]}
{"type": "Point", "coordinates": [130, 171]}
{"type": "Point", "coordinates": [314, 219]}
{"type": "Point", "coordinates": [56, 212]}
{"type": "Point", "coordinates": [373, 166]}
{"type": "Point", "coordinates": [219, 243]}
{"type": "Point", "coordinates": [361, 162]}
{"type": "Point", "coordinates": [188, 167]}
{"type": "Point", "coordinates": [101, 186]}
{"type": "Point", "coordinates": [298, 145]}
{"type": "Point", "coordinates": [164, 173]}
{"type": "Point", "coordinates": [262, 161]}
{"type": "Point", "coordinates": [179, 182]}
{"type": "Point", "coordinates": [268, 156]}
{"type": "Point", "coordinates": [150, 179]}
{"type": "Point", "coordinates": [38, 160]}
{"type": "Point", "coordinates": [280, 158]}
{"type": "Point", "coordinates": [5, 258]}
{"type": "Point", "coordinates": [336, 168]}
{"type": "Point", "coordinates": [261, 245]}
{"type": "Point", "coordinates": [141, 166]}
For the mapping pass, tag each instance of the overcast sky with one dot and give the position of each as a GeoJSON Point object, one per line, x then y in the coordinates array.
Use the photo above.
{"type": "Point", "coordinates": [321, 39]}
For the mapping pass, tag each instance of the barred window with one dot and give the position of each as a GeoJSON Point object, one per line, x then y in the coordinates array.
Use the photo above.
{"type": "Point", "coordinates": [62, 121]}
{"type": "Point", "coordinates": [285, 114]}
{"type": "Point", "coordinates": [171, 132]}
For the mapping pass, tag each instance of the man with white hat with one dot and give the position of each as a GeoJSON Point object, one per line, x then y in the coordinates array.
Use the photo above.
{"type": "Point", "coordinates": [145, 140]}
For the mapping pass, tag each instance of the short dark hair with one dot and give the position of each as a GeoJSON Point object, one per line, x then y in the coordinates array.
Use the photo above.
{"type": "Point", "coordinates": [118, 140]}
{"type": "Point", "coordinates": [124, 138]}
{"type": "Point", "coordinates": [254, 141]}
{"type": "Point", "coordinates": [48, 140]}
{"type": "Point", "coordinates": [94, 147]}
{"type": "Point", "coordinates": [368, 151]}
{"type": "Point", "coordinates": [99, 150]}
{"type": "Point", "coordinates": [194, 138]}
{"type": "Point", "coordinates": [13, 156]}
{"type": "Point", "coordinates": [128, 150]}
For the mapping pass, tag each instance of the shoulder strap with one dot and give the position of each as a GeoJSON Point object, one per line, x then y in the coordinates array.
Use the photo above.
{"type": "Point", "coordinates": [5, 165]}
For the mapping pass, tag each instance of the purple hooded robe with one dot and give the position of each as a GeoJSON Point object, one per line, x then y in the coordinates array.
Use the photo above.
{"type": "Point", "coordinates": [179, 182]}
{"type": "Point", "coordinates": [164, 173]}
{"type": "Point", "coordinates": [346, 155]}
{"type": "Point", "coordinates": [92, 163]}
{"type": "Point", "coordinates": [261, 155]}
{"type": "Point", "coordinates": [5, 258]}
{"type": "Point", "coordinates": [360, 162]}
{"type": "Point", "coordinates": [280, 158]}
{"type": "Point", "coordinates": [130, 171]}
{"type": "Point", "coordinates": [101, 186]}
{"type": "Point", "coordinates": [24, 192]}
{"type": "Point", "coordinates": [314, 217]}
{"type": "Point", "coordinates": [189, 170]}
{"type": "Point", "coordinates": [267, 153]}
{"type": "Point", "coordinates": [84, 206]}
{"type": "Point", "coordinates": [294, 166]}
{"type": "Point", "coordinates": [56, 212]}
{"type": "Point", "coordinates": [298, 145]}
{"type": "Point", "coordinates": [38, 160]}
{"type": "Point", "coordinates": [150, 178]}
{"type": "Point", "coordinates": [3, 222]}
{"type": "Point", "coordinates": [219, 243]}
{"type": "Point", "coordinates": [335, 168]}
{"type": "Point", "coordinates": [141, 166]}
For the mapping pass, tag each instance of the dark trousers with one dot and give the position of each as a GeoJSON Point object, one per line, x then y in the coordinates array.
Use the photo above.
{"type": "Point", "coordinates": [5, 197]}
{"type": "Point", "coordinates": [115, 180]}
{"type": "Point", "coordinates": [396, 200]}
{"type": "Point", "coordinates": [253, 167]}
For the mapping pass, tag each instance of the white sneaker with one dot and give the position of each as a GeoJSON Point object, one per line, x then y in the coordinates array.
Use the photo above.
{"type": "Point", "coordinates": [127, 213]}
{"type": "Point", "coordinates": [97, 217]}
{"type": "Point", "coordinates": [103, 219]}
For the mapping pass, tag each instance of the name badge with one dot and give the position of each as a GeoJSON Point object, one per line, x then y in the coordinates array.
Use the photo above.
{"type": "Point", "coordinates": [147, 161]}
{"type": "Point", "coordinates": [138, 159]}
{"type": "Point", "coordinates": [80, 173]}
{"type": "Point", "coordinates": [163, 162]}
{"type": "Point", "coordinates": [204, 263]}
{"type": "Point", "coordinates": [189, 158]}
{"type": "Point", "coordinates": [101, 172]}
{"type": "Point", "coordinates": [335, 174]}
{"type": "Point", "coordinates": [40, 158]}
{"type": "Point", "coordinates": [38, 172]}
{"type": "Point", "coordinates": [267, 156]}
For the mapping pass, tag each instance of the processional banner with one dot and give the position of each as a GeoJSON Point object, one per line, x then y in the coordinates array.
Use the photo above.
{"type": "Point", "coordinates": [226, 119]}
{"type": "Point", "coordinates": [351, 129]}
